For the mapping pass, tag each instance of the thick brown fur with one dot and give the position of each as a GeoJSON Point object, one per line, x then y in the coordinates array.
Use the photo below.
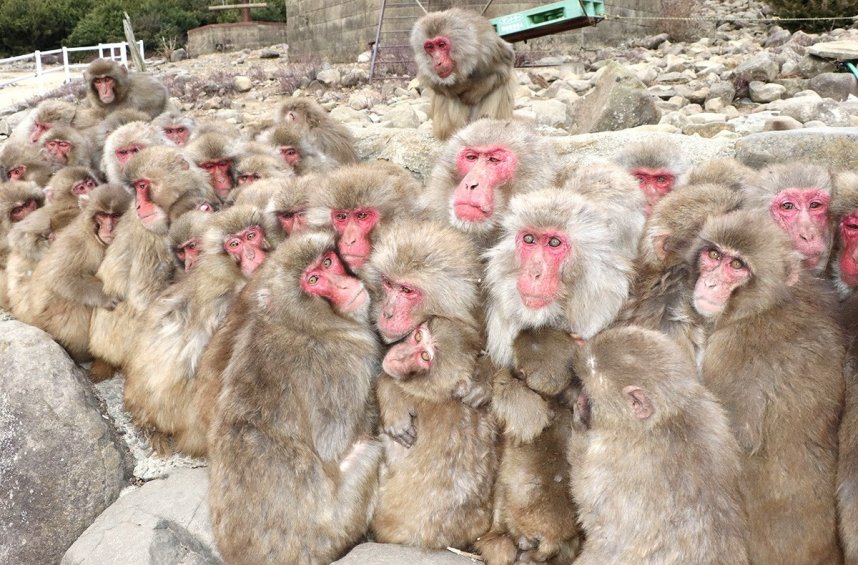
{"type": "Point", "coordinates": [12, 195]}
{"type": "Point", "coordinates": [293, 471]}
{"type": "Point", "coordinates": [132, 90]}
{"type": "Point", "coordinates": [774, 358]}
{"type": "Point", "coordinates": [190, 225]}
{"type": "Point", "coordinates": [37, 169]}
{"type": "Point", "coordinates": [173, 118]}
{"type": "Point", "coordinates": [258, 166]}
{"type": "Point", "coordinates": [727, 172]}
{"type": "Point", "coordinates": [536, 169]}
{"type": "Point", "coordinates": [81, 152]}
{"type": "Point", "coordinates": [313, 159]}
{"type": "Point", "coordinates": [64, 283]}
{"type": "Point", "coordinates": [49, 113]}
{"type": "Point", "coordinates": [655, 154]}
{"type": "Point", "coordinates": [321, 131]}
{"type": "Point", "coordinates": [843, 202]}
{"type": "Point", "coordinates": [141, 134]}
{"type": "Point", "coordinates": [139, 264]}
{"type": "Point", "coordinates": [483, 82]}
{"type": "Point", "coordinates": [659, 481]}
{"type": "Point", "coordinates": [847, 463]}
{"type": "Point", "coordinates": [160, 387]}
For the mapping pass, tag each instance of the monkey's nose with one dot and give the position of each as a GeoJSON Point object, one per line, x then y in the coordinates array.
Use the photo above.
{"type": "Point", "coordinates": [473, 186]}
{"type": "Point", "coordinates": [387, 315]}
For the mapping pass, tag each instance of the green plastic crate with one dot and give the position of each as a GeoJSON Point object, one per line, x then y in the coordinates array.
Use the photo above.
{"type": "Point", "coordinates": [548, 19]}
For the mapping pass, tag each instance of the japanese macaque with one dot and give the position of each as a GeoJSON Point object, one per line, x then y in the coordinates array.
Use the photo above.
{"type": "Point", "coordinates": [658, 166]}
{"type": "Point", "coordinates": [64, 146]}
{"type": "Point", "coordinates": [467, 68]}
{"type": "Point", "coordinates": [355, 199]}
{"type": "Point", "coordinates": [322, 132]}
{"type": "Point", "coordinates": [844, 212]}
{"type": "Point", "coordinates": [111, 87]}
{"type": "Point", "coordinates": [216, 154]}
{"type": "Point", "coordinates": [140, 263]}
{"type": "Point", "coordinates": [64, 283]}
{"type": "Point", "coordinates": [798, 195]}
{"type": "Point", "coordinates": [481, 168]}
{"type": "Point", "coordinates": [436, 487]}
{"type": "Point", "coordinates": [49, 113]}
{"type": "Point", "coordinates": [293, 425]}
{"type": "Point", "coordinates": [176, 126]}
{"type": "Point", "coordinates": [178, 327]}
{"type": "Point", "coordinates": [255, 166]}
{"type": "Point", "coordinates": [260, 194]}
{"type": "Point", "coordinates": [23, 162]}
{"type": "Point", "coordinates": [773, 358]}
{"type": "Point", "coordinates": [125, 142]}
{"type": "Point", "coordinates": [847, 461]}
{"type": "Point", "coordinates": [99, 133]}
{"type": "Point", "coordinates": [18, 199]}
{"type": "Point", "coordinates": [296, 153]}
{"type": "Point", "coordinates": [29, 239]}
{"type": "Point", "coordinates": [659, 480]}
{"type": "Point", "coordinates": [659, 297]}
{"type": "Point", "coordinates": [727, 172]}
{"type": "Point", "coordinates": [555, 267]}
{"type": "Point", "coordinates": [186, 238]}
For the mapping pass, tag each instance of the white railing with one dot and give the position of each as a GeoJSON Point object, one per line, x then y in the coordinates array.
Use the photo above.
{"type": "Point", "coordinates": [116, 52]}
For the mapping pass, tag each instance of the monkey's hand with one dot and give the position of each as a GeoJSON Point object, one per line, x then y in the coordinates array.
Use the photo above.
{"type": "Point", "coordinates": [402, 430]}
{"type": "Point", "coordinates": [522, 412]}
{"type": "Point", "coordinates": [544, 357]}
{"type": "Point", "coordinates": [472, 393]}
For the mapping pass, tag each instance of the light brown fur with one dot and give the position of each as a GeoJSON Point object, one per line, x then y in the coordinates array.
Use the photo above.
{"type": "Point", "coordinates": [132, 90]}
{"type": "Point", "coordinates": [321, 131]}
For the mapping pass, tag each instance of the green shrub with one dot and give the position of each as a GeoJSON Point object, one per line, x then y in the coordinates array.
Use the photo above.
{"type": "Point", "coordinates": [814, 9]}
{"type": "Point", "coordinates": [27, 25]}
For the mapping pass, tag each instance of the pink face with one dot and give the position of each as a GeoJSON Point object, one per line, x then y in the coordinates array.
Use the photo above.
{"type": "Point", "coordinates": [39, 129]}
{"type": "Point", "coordinates": [290, 155]}
{"type": "Point", "coordinates": [327, 278]}
{"type": "Point", "coordinates": [148, 212]}
{"type": "Point", "coordinates": [483, 170]}
{"type": "Point", "coordinates": [292, 221]}
{"type": "Point", "coordinates": [82, 187]}
{"type": "Point", "coordinates": [17, 172]}
{"type": "Point", "coordinates": [803, 214]}
{"type": "Point", "coordinates": [124, 154]}
{"type": "Point", "coordinates": [60, 149]}
{"type": "Point", "coordinates": [848, 261]}
{"type": "Point", "coordinates": [412, 357]}
{"type": "Point", "coordinates": [189, 252]}
{"type": "Point", "coordinates": [177, 134]}
{"type": "Point", "coordinates": [23, 210]}
{"type": "Point", "coordinates": [542, 255]}
{"type": "Point", "coordinates": [399, 306]}
{"type": "Point", "coordinates": [220, 173]}
{"type": "Point", "coordinates": [105, 88]}
{"type": "Point", "coordinates": [106, 226]}
{"type": "Point", "coordinates": [245, 248]}
{"type": "Point", "coordinates": [438, 50]}
{"type": "Point", "coordinates": [353, 229]}
{"type": "Point", "coordinates": [655, 183]}
{"type": "Point", "coordinates": [720, 274]}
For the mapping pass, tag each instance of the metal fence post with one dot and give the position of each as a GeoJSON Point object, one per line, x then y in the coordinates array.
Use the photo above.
{"type": "Point", "coordinates": [66, 69]}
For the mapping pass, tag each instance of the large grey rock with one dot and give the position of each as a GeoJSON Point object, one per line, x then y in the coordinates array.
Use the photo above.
{"type": "Point", "coordinates": [811, 65]}
{"type": "Point", "coordinates": [165, 521]}
{"type": "Point", "coordinates": [552, 113]}
{"type": "Point", "coordinates": [836, 147]}
{"type": "Point", "coordinates": [845, 50]}
{"type": "Point", "coordinates": [812, 108]}
{"type": "Point", "coordinates": [594, 147]}
{"type": "Point", "coordinates": [618, 101]}
{"type": "Point", "coordinates": [764, 92]}
{"type": "Point", "coordinates": [61, 462]}
{"type": "Point", "coordinates": [413, 149]}
{"type": "Point", "coordinates": [837, 86]}
{"type": "Point", "coordinates": [761, 66]}
{"type": "Point", "coordinates": [389, 554]}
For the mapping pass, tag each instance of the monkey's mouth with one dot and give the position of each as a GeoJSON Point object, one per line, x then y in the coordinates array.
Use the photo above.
{"type": "Point", "coordinates": [472, 213]}
{"type": "Point", "coordinates": [536, 301]}
{"type": "Point", "coordinates": [443, 71]}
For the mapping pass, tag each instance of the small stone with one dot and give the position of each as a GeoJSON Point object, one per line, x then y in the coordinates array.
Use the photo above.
{"type": "Point", "coordinates": [178, 55]}
{"type": "Point", "coordinates": [242, 83]}
{"type": "Point", "coordinates": [764, 93]}
{"type": "Point", "coordinates": [329, 77]}
{"type": "Point", "coordinates": [269, 54]}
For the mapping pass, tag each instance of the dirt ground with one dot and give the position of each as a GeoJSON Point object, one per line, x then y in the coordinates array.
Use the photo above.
{"type": "Point", "coordinates": [20, 92]}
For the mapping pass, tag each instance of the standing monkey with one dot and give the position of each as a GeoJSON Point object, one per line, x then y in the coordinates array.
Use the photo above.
{"type": "Point", "coordinates": [467, 68]}
{"type": "Point", "coordinates": [291, 432]}
{"type": "Point", "coordinates": [773, 356]}
{"type": "Point", "coordinates": [659, 480]}
{"type": "Point", "coordinates": [110, 87]}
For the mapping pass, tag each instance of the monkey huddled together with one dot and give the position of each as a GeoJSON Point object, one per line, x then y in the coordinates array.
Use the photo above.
{"type": "Point", "coordinates": [640, 360]}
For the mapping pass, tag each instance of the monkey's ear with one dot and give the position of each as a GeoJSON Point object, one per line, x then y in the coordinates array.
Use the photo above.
{"type": "Point", "coordinates": [639, 402]}
{"type": "Point", "coordinates": [659, 244]}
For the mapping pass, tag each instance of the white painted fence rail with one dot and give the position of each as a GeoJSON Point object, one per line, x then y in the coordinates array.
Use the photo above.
{"type": "Point", "coordinates": [115, 51]}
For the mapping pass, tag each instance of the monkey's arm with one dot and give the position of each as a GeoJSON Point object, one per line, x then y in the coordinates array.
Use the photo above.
{"type": "Point", "coordinates": [521, 411]}
{"type": "Point", "coordinates": [83, 288]}
{"type": "Point", "coordinates": [476, 389]}
{"type": "Point", "coordinates": [396, 412]}
{"type": "Point", "coordinates": [544, 357]}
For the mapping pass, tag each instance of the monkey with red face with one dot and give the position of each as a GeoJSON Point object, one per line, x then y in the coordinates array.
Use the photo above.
{"type": "Point", "coordinates": [466, 66]}
{"type": "Point", "coordinates": [843, 268]}
{"type": "Point", "coordinates": [798, 196]}
{"type": "Point", "coordinates": [110, 87]}
{"type": "Point", "coordinates": [658, 166]}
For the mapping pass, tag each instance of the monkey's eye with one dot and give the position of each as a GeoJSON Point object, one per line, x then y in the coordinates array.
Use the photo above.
{"type": "Point", "coordinates": [406, 289]}
{"type": "Point", "coordinates": [251, 235]}
{"type": "Point", "coordinates": [471, 156]}
{"type": "Point", "coordinates": [713, 254]}
{"type": "Point", "coordinates": [313, 279]}
{"type": "Point", "coordinates": [424, 355]}
{"type": "Point", "coordinates": [191, 245]}
{"type": "Point", "coordinates": [418, 336]}
{"type": "Point", "coordinates": [788, 206]}
{"type": "Point", "coordinates": [661, 179]}
{"type": "Point", "coordinates": [494, 160]}
{"type": "Point", "coordinates": [737, 264]}
{"type": "Point", "coordinates": [341, 216]}
{"type": "Point", "coordinates": [428, 46]}
{"type": "Point", "coordinates": [442, 45]}
{"type": "Point", "coordinates": [814, 205]}
{"type": "Point", "coordinates": [852, 226]}
{"type": "Point", "coordinates": [362, 215]}
{"type": "Point", "coordinates": [327, 262]}
{"type": "Point", "coordinates": [529, 239]}
{"type": "Point", "coordinates": [554, 242]}
{"type": "Point", "coordinates": [233, 243]}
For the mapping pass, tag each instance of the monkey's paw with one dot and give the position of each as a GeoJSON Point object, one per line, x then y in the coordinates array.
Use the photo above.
{"type": "Point", "coordinates": [402, 430]}
{"type": "Point", "coordinates": [473, 393]}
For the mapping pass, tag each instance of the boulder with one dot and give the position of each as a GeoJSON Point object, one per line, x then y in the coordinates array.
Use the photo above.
{"type": "Point", "coordinates": [164, 521]}
{"type": "Point", "coordinates": [390, 554]}
{"type": "Point", "coordinates": [765, 92]}
{"type": "Point", "coordinates": [618, 101]}
{"type": "Point", "coordinates": [837, 86]}
{"type": "Point", "coordinates": [61, 462]}
{"type": "Point", "coordinates": [761, 66]}
{"type": "Point", "coordinates": [836, 147]}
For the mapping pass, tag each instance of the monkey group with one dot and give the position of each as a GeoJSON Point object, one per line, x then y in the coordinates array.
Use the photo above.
{"type": "Point", "coordinates": [640, 360]}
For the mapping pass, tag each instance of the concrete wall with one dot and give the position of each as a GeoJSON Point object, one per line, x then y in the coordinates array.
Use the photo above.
{"type": "Point", "coordinates": [339, 30]}
{"type": "Point", "coordinates": [235, 36]}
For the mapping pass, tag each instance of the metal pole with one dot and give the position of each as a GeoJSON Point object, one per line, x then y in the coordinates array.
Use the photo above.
{"type": "Point", "coordinates": [377, 39]}
{"type": "Point", "coordinates": [66, 69]}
